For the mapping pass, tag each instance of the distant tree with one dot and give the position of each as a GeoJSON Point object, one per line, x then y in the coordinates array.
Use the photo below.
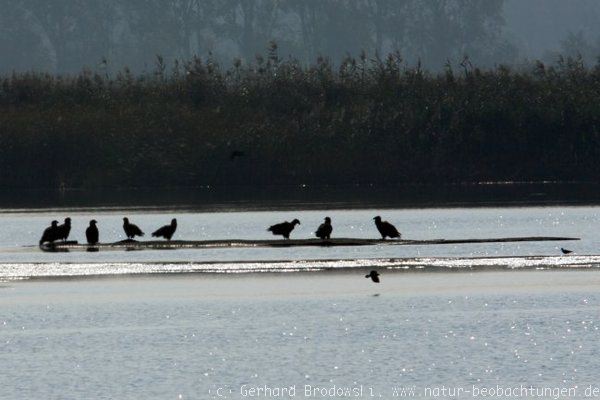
{"type": "Point", "coordinates": [249, 24]}
{"type": "Point", "coordinates": [331, 28]}
{"type": "Point", "coordinates": [577, 45]}
{"type": "Point", "coordinates": [190, 20]}
{"type": "Point", "coordinates": [20, 44]}
{"type": "Point", "coordinates": [439, 30]}
{"type": "Point", "coordinates": [387, 20]}
{"type": "Point", "coordinates": [66, 35]}
{"type": "Point", "coordinates": [58, 26]}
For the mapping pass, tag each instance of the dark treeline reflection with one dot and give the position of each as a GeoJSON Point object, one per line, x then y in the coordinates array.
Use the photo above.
{"type": "Point", "coordinates": [277, 123]}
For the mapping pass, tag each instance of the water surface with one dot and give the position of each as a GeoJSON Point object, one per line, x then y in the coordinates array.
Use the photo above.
{"type": "Point", "coordinates": [205, 323]}
{"type": "Point", "coordinates": [186, 336]}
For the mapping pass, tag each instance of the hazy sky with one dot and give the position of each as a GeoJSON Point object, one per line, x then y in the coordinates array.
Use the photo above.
{"type": "Point", "coordinates": [67, 35]}
{"type": "Point", "coordinates": [541, 26]}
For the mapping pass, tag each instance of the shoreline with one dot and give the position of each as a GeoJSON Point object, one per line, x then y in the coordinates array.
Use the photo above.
{"type": "Point", "coordinates": [318, 206]}
{"type": "Point", "coordinates": [303, 197]}
{"type": "Point", "coordinates": [131, 244]}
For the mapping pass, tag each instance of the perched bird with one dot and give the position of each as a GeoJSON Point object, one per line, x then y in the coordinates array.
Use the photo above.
{"type": "Point", "coordinates": [325, 229]}
{"type": "Point", "coordinates": [284, 228]}
{"type": "Point", "coordinates": [50, 233]}
{"type": "Point", "coordinates": [386, 229]}
{"type": "Point", "coordinates": [91, 233]}
{"type": "Point", "coordinates": [131, 230]}
{"type": "Point", "coordinates": [166, 231]}
{"type": "Point", "coordinates": [565, 251]}
{"type": "Point", "coordinates": [374, 275]}
{"type": "Point", "coordinates": [64, 230]}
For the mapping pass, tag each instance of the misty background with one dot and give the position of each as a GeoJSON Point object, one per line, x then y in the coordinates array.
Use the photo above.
{"type": "Point", "coordinates": [66, 36]}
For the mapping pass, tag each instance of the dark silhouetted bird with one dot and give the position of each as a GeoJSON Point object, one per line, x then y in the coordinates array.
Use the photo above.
{"type": "Point", "coordinates": [235, 154]}
{"type": "Point", "coordinates": [374, 275]}
{"type": "Point", "coordinates": [50, 233]}
{"type": "Point", "coordinates": [325, 229]}
{"type": "Point", "coordinates": [386, 229]}
{"type": "Point", "coordinates": [64, 230]}
{"type": "Point", "coordinates": [565, 251]}
{"type": "Point", "coordinates": [284, 229]}
{"type": "Point", "coordinates": [131, 230]}
{"type": "Point", "coordinates": [91, 233]}
{"type": "Point", "coordinates": [166, 231]}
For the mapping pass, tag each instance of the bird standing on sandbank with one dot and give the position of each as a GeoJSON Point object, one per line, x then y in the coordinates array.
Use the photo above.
{"type": "Point", "coordinates": [91, 233]}
{"type": "Point", "coordinates": [64, 230]}
{"type": "Point", "coordinates": [131, 230]}
{"type": "Point", "coordinates": [386, 229]}
{"type": "Point", "coordinates": [325, 229]}
{"type": "Point", "coordinates": [166, 231]}
{"type": "Point", "coordinates": [50, 233]}
{"type": "Point", "coordinates": [284, 229]}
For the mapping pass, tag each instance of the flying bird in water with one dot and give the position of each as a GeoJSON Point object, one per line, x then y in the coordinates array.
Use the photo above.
{"type": "Point", "coordinates": [386, 229]}
{"type": "Point", "coordinates": [166, 231]}
{"type": "Point", "coordinates": [284, 229]}
{"type": "Point", "coordinates": [91, 233]}
{"type": "Point", "coordinates": [565, 251]}
{"type": "Point", "coordinates": [374, 275]}
{"type": "Point", "coordinates": [50, 233]}
{"type": "Point", "coordinates": [131, 230]}
{"type": "Point", "coordinates": [325, 229]}
{"type": "Point", "coordinates": [64, 230]}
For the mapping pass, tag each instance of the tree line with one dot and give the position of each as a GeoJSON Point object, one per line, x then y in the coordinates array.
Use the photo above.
{"type": "Point", "coordinates": [276, 122]}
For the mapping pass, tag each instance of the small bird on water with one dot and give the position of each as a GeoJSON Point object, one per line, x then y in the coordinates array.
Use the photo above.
{"type": "Point", "coordinates": [386, 229]}
{"type": "Point", "coordinates": [91, 233]}
{"type": "Point", "coordinates": [374, 275]}
{"type": "Point", "coordinates": [565, 251]}
{"type": "Point", "coordinates": [50, 233]}
{"type": "Point", "coordinates": [284, 229]}
{"type": "Point", "coordinates": [131, 230]}
{"type": "Point", "coordinates": [325, 229]}
{"type": "Point", "coordinates": [166, 231]}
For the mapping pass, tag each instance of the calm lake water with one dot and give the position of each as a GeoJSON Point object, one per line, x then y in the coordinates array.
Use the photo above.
{"type": "Point", "coordinates": [529, 317]}
{"type": "Point", "coordinates": [187, 336]}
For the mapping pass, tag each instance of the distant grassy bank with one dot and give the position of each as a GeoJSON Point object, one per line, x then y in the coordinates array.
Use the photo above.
{"type": "Point", "coordinates": [275, 122]}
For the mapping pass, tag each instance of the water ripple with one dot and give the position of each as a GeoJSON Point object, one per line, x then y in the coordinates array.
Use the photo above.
{"type": "Point", "coordinates": [12, 271]}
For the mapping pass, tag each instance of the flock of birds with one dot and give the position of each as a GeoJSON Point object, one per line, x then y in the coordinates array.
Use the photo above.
{"type": "Point", "coordinates": [61, 232]}
{"type": "Point", "coordinates": [57, 232]}
{"type": "Point", "coordinates": [324, 231]}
